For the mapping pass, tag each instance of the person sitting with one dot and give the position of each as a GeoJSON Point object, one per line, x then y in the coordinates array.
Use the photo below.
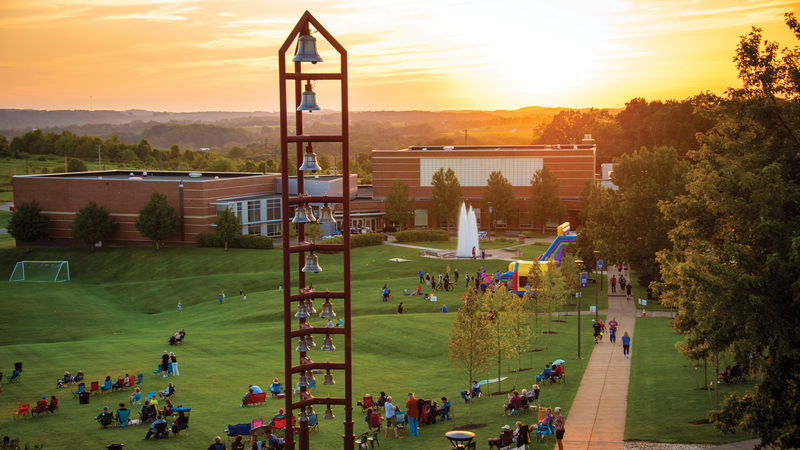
{"type": "Point", "coordinates": [105, 418]}
{"type": "Point", "coordinates": [737, 374]}
{"type": "Point", "coordinates": [154, 428]}
{"type": "Point", "coordinates": [275, 388]}
{"type": "Point", "coordinates": [381, 400]}
{"type": "Point", "coordinates": [558, 373]}
{"type": "Point", "coordinates": [168, 392]}
{"type": "Point", "coordinates": [280, 415]}
{"type": "Point", "coordinates": [237, 443]}
{"type": "Point", "coordinates": [547, 421]}
{"type": "Point", "coordinates": [506, 438]}
{"type": "Point", "coordinates": [51, 408]}
{"type": "Point", "coordinates": [251, 390]}
{"type": "Point", "coordinates": [148, 412]}
{"type": "Point", "coordinates": [65, 379]}
{"type": "Point", "coordinates": [545, 373]}
{"type": "Point", "coordinates": [180, 423]}
{"type": "Point", "coordinates": [217, 445]}
{"type": "Point", "coordinates": [128, 382]}
{"type": "Point", "coordinates": [273, 441]}
{"type": "Point", "coordinates": [476, 389]}
{"type": "Point", "coordinates": [533, 394]}
{"type": "Point", "coordinates": [122, 415]}
{"type": "Point", "coordinates": [167, 410]}
{"type": "Point", "coordinates": [514, 403]}
{"type": "Point", "coordinates": [78, 377]}
{"type": "Point", "coordinates": [726, 375]}
{"type": "Point", "coordinates": [137, 395]}
{"type": "Point", "coordinates": [119, 385]}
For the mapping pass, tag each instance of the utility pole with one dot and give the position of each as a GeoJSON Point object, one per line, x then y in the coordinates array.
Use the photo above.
{"type": "Point", "coordinates": [99, 160]}
{"type": "Point", "coordinates": [465, 136]}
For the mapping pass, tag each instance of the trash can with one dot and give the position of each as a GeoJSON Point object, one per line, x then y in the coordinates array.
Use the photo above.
{"type": "Point", "coordinates": [83, 397]}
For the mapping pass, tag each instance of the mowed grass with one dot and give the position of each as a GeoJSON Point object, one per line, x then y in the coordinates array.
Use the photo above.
{"type": "Point", "coordinates": [116, 314]}
{"type": "Point", "coordinates": [453, 244]}
{"type": "Point", "coordinates": [664, 394]}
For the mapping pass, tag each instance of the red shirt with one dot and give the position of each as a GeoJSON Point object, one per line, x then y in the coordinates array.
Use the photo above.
{"type": "Point", "coordinates": [412, 410]}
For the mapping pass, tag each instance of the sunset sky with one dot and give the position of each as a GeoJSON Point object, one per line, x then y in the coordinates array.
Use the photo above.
{"type": "Point", "coordinates": [196, 55]}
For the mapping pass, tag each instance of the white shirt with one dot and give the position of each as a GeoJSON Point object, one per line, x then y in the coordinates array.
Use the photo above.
{"type": "Point", "coordinates": [389, 410]}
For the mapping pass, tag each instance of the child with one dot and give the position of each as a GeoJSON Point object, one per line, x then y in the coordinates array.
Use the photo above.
{"type": "Point", "coordinates": [179, 306]}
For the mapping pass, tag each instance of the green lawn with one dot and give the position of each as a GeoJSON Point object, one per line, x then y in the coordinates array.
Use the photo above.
{"type": "Point", "coordinates": [5, 216]}
{"type": "Point", "coordinates": [664, 394]}
{"type": "Point", "coordinates": [453, 243]}
{"type": "Point", "coordinates": [116, 314]}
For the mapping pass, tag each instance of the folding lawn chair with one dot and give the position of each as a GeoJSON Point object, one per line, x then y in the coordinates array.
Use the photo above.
{"type": "Point", "coordinates": [139, 378]}
{"type": "Point", "coordinates": [22, 410]}
{"type": "Point", "coordinates": [81, 390]}
{"type": "Point", "coordinates": [95, 387]}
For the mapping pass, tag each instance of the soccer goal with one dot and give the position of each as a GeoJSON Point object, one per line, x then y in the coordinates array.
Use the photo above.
{"type": "Point", "coordinates": [41, 271]}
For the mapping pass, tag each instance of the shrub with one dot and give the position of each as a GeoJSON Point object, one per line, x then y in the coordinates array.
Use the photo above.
{"type": "Point", "coordinates": [358, 240]}
{"type": "Point", "coordinates": [213, 239]}
{"type": "Point", "coordinates": [422, 235]}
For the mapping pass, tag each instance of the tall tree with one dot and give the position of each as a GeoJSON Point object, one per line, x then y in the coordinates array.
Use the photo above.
{"type": "Point", "coordinates": [519, 325]}
{"type": "Point", "coordinates": [469, 347]}
{"type": "Point", "coordinates": [733, 269]}
{"type": "Point", "coordinates": [497, 309]}
{"type": "Point", "coordinates": [499, 198]}
{"type": "Point", "coordinates": [28, 224]}
{"type": "Point", "coordinates": [399, 207]}
{"type": "Point", "coordinates": [446, 196]}
{"type": "Point", "coordinates": [545, 203]}
{"type": "Point", "coordinates": [228, 226]}
{"type": "Point", "coordinates": [157, 220]}
{"type": "Point", "coordinates": [555, 291]}
{"type": "Point", "coordinates": [93, 224]}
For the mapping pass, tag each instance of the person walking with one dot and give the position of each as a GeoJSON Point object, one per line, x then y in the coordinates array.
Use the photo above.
{"type": "Point", "coordinates": [400, 308]}
{"type": "Point", "coordinates": [559, 423]}
{"type": "Point", "coordinates": [412, 411]}
{"type": "Point", "coordinates": [421, 277]}
{"type": "Point", "coordinates": [613, 282]}
{"type": "Point", "coordinates": [455, 280]}
{"type": "Point", "coordinates": [626, 345]}
{"type": "Point", "coordinates": [164, 364]}
{"type": "Point", "coordinates": [612, 329]}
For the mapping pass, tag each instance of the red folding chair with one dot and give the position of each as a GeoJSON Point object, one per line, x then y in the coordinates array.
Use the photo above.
{"type": "Point", "coordinates": [22, 410]}
{"type": "Point", "coordinates": [95, 387]}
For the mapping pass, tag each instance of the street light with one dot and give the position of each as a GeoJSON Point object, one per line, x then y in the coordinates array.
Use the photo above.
{"type": "Point", "coordinates": [597, 283]}
{"type": "Point", "coordinates": [578, 263]}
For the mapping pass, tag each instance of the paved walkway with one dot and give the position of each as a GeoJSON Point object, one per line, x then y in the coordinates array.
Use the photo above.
{"type": "Point", "coordinates": [596, 419]}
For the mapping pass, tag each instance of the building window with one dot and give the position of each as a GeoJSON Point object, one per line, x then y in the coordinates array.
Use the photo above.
{"type": "Point", "coordinates": [254, 228]}
{"type": "Point", "coordinates": [253, 211]}
{"type": "Point", "coordinates": [475, 171]}
{"type": "Point", "coordinates": [273, 209]}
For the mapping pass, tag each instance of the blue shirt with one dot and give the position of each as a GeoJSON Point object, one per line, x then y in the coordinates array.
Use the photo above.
{"type": "Point", "coordinates": [153, 425]}
{"type": "Point", "coordinates": [256, 389]}
{"type": "Point", "coordinates": [626, 340]}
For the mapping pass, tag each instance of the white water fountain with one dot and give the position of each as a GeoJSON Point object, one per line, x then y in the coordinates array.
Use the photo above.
{"type": "Point", "coordinates": [467, 233]}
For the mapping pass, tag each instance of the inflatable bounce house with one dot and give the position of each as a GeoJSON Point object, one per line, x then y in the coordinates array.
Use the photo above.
{"type": "Point", "coordinates": [517, 274]}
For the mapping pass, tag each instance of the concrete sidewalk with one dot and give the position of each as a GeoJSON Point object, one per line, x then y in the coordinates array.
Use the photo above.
{"type": "Point", "coordinates": [597, 416]}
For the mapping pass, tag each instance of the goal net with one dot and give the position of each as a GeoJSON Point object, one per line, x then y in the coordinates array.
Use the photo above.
{"type": "Point", "coordinates": [41, 271]}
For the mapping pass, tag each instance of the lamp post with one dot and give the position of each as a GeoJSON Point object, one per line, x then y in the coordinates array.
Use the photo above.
{"type": "Point", "coordinates": [578, 263]}
{"type": "Point", "coordinates": [597, 283]}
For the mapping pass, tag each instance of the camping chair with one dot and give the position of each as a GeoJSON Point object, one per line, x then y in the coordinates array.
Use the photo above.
{"type": "Point", "coordinates": [523, 438]}
{"type": "Point", "coordinates": [364, 441]}
{"type": "Point", "coordinates": [95, 387]}
{"type": "Point", "coordinates": [106, 386]}
{"type": "Point", "coordinates": [122, 417]}
{"type": "Point", "coordinates": [81, 390]}
{"type": "Point", "coordinates": [39, 409]}
{"type": "Point", "coordinates": [235, 430]}
{"type": "Point", "coordinates": [544, 431]}
{"type": "Point", "coordinates": [22, 410]}
{"type": "Point", "coordinates": [131, 381]}
{"type": "Point", "coordinates": [366, 403]}
{"type": "Point", "coordinates": [139, 378]}
{"type": "Point", "coordinates": [162, 430]}
{"type": "Point", "coordinates": [257, 423]}
{"type": "Point", "coordinates": [137, 398]}
{"type": "Point", "coordinates": [400, 419]}
{"type": "Point", "coordinates": [16, 373]}
{"type": "Point", "coordinates": [52, 407]}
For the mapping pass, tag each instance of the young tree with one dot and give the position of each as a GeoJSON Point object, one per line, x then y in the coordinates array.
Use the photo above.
{"type": "Point", "coordinates": [519, 325]}
{"type": "Point", "coordinates": [446, 196]}
{"type": "Point", "coordinates": [313, 231]}
{"type": "Point", "coordinates": [92, 224]}
{"type": "Point", "coordinates": [499, 197]}
{"type": "Point", "coordinates": [733, 268]}
{"type": "Point", "coordinates": [228, 226]}
{"type": "Point", "coordinates": [545, 203]}
{"type": "Point", "coordinates": [399, 207]}
{"type": "Point", "coordinates": [469, 346]}
{"type": "Point", "coordinates": [534, 300]}
{"type": "Point", "coordinates": [555, 291]}
{"type": "Point", "coordinates": [76, 165]}
{"type": "Point", "coordinates": [157, 220]}
{"type": "Point", "coordinates": [28, 224]}
{"type": "Point", "coordinates": [501, 321]}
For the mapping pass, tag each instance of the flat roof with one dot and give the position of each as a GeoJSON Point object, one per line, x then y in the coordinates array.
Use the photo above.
{"type": "Point", "coordinates": [491, 148]}
{"type": "Point", "coordinates": [147, 175]}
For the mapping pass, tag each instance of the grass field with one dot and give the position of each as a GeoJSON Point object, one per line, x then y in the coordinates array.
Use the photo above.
{"type": "Point", "coordinates": [453, 243]}
{"type": "Point", "coordinates": [664, 394]}
{"type": "Point", "coordinates": [116, 314]}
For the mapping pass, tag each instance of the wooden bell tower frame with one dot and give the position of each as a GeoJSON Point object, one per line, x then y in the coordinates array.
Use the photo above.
{"type": "Point", "coordinates": [299, 291]}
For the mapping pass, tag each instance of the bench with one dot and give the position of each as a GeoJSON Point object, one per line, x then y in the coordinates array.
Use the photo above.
{"type": "Point", "coordinates": [254, 399]}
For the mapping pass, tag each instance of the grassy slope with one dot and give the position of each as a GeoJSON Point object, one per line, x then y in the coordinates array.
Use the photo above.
{"type": "Point", "coordinates": [663, 396]}
{"type": "Point", "coordinates": [116, 313]}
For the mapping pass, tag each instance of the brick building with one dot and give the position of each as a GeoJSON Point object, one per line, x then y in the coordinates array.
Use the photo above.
{"type": "Point", "coordinates": [574, 165]}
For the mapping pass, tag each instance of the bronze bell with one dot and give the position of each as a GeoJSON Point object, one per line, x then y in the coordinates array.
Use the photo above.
{"type": "Point", "coordinates": [309, 101]}
{"type": "Point", "coordinates": [327, 344]}
{"type": "Point", "coordinates": [307, 49]}
{"type": "Point", "coordinates": [310, 161]}
{"type": "Point", "coordinates": [301, 346]}
{"type": "Point", "coordinates": [301, 313]}
{"type": "Point", "coordinates": [326, 216]}
{"type": "Point", "coordinates": [310, 341]}
{"type": "Point", "coordinates": [303, 214]}
{"type": "Point", "coordinates": [329, 412]}
{"type": "Point", "coordinates": [312, 264]}
{"type": "Point", "coordinates": [310, 307]}
{"type": "Point", "coordinates": [328, 378]}
{"type": "Point", "coordinates": [327, 309]}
